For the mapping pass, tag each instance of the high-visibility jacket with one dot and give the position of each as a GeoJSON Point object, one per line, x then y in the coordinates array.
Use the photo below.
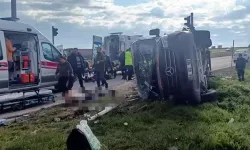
{"type": "Point", "coordinates": [128, 58]}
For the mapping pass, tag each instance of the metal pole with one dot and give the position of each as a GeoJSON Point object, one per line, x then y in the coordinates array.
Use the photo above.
{"type": "Point", "coordinates": [52, 35]}
{"type": "Point", "coordinates": [192, 21]}
{"type": "Point", "coordinates": [232, 59]}
{"type": "Point", "coordinates": [13, 9]}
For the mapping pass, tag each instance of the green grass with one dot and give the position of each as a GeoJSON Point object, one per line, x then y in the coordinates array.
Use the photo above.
{"type": "Point", "coordinates": [151, 125]}
{"type": "Point", "coordinates": [217, 50]}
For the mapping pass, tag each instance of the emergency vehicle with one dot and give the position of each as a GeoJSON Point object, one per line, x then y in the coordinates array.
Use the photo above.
{"type": "Point", "coordinates": [35, 58]}
{"type": "Point", "coordinates": [117, 42]}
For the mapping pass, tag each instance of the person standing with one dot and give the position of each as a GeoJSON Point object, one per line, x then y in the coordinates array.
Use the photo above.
{"type": "Point", "coordinates": [122, 64]}
{"type": "Point", "coordinates": [240, 67]}
{"type": "Point", "coordinates": [108, 64]}
{"type": "Point", "coordinates": [10, 50]}
{"type": "Point", "coordinates": [77, 62]}
{"type": "Point", "coordinates": [128, 64]}
{"type": "Point", "coordinates": [65, 72]}
{"type": "Point", "coordinates": [99, 65]}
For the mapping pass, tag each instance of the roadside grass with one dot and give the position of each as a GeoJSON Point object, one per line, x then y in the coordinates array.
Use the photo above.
{"type": "Point", "coordinates": [159, 125]}
{"type": "Point", "coordinates": [150, 125]}
{"type": "Point", "coordinates": [217, 50]}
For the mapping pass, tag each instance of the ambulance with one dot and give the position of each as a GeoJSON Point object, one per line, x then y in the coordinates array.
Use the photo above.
{"type": "Point", "coordinates": [35, 58]}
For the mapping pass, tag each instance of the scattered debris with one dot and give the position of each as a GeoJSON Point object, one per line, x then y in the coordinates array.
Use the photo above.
{"type": "Point", "coordinates": [3, 122]}
{"type": "Point", "coordinates": [86, 115]}
{"type": "Point", "coordinates": [34, 132]}
{"type": "Point", "coordinates": [96, 121]}
{"type": "Point", "coordinates": [231, 120]}
{"type": "Point", "coordinates": [57, 119]}
{"type": "Point", "coordinates": [173, 148]}
{"type": "Point", "coordinates": [85, 129]}
{"type": "Point", "coordinates": [27, 115]}
{"type": "Point", "coordinates": [106, 110]}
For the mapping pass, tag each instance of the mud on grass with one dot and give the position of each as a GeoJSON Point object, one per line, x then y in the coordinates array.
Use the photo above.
{"type": "Point", "coordinates": [150, 125]}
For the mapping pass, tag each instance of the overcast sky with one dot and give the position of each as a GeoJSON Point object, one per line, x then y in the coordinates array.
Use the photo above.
{"type": "Point", "coordinates": [78, 20]}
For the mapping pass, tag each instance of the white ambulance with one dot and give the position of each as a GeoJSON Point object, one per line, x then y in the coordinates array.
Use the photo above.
{"type": "Point", "coordinates": [35, 58]}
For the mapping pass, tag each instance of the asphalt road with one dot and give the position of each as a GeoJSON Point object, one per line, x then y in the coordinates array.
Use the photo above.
{"type": "Point", "coordinates": [217, 64]}
{"type": "Point", "coordinates": [221, 62]}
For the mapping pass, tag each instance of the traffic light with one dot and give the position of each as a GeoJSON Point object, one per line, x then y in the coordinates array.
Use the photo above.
{"type": "Point", "coordinates": [188, 23]}
{"type": "Point", "coordinates": [54, 31]}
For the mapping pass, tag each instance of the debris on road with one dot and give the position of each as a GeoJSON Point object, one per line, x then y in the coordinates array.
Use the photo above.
{"type": "Point", "coordinates": [231, 121]}
{"type": "Point", "coordinates": [3, 122]}
{"type": "Point", "coordinates": [57, 119]}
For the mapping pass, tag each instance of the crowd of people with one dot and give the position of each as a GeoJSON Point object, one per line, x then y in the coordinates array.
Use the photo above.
{"type": "Point", "coordinates": [74, 67]}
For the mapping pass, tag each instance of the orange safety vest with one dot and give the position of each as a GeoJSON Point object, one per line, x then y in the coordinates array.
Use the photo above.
{"type": "Point", "coordinates": [9, 50]}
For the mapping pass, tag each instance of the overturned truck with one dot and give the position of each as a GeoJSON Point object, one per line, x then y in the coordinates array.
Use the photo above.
{"type": "Point", "coordinates": [177, 65]}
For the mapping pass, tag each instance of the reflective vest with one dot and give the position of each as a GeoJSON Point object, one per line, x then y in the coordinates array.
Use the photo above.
{"type": "Point", "coordinates": [128, 58]}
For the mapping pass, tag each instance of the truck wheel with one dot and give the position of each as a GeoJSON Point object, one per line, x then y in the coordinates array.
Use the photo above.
{"type": "Point", "coordinates": [210, 96]}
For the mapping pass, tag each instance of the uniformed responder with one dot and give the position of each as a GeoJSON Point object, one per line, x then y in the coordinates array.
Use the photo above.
{"type": "Point", "coordinates": [240, 67]}
{"type": "Point", "coordinates": [128, 64]}
{"type": "Point", "coordinates": [10, 50]}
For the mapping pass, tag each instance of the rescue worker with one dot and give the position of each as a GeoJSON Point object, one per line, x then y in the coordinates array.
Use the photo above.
{"type": "Point", "coordinates": [240, 67]}
{"type": "Point", "coordinates": [99, 65]}
{"type": "Point", "coordinates": [65, 72]}
{"type": "Point", "coordinates": [10, 50]}
{"type": "Point", "coordinates": [128, 64]}
{"type": "Point", "coordinates": [77, 62]}
{"type": "Point", "coordinates": [122, 64]}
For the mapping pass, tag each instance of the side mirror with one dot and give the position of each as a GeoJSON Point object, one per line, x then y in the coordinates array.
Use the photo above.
{"type": "Point", "coordinates": [155, 32]}
{"type": "Point", "coordinates": [202, 38]}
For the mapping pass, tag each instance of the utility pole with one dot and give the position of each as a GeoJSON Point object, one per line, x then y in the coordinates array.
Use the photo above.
{"type": "Point", "coordinates": [54, 33]}
{"type": "Point", "coordinates": [13, 9]}
{"type": "Point", "coordinates": [232, 50]}
{"type": "Point", "coordinates": [13, 12]}
{"type": "Point", "coordinates": [232, 69]}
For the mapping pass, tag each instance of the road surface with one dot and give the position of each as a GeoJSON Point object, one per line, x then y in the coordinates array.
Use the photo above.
{"type": "Point", "coordinates": [217, 64]}
{"type": "Point", "coordinates": [221, 62]}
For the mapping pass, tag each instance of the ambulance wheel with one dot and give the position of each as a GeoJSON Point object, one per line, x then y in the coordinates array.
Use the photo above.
{"type": "Point", "coordinates": [53, 99]}
{"type": "Point", "coordinates": [17, 107]}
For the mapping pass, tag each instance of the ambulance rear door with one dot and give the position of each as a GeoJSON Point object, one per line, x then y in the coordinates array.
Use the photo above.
{"type": "Point", "coordinates": [4, 74]}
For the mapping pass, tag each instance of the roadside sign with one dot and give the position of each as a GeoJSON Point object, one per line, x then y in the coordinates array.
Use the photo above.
{"type": "Point", "coordinates": [97, 42]}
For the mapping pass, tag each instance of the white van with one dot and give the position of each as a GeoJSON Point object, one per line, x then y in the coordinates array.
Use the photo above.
{"type": "Point", "coordinates": [42, 54]}
{"type": "Point", "coordinates": [245, 54]}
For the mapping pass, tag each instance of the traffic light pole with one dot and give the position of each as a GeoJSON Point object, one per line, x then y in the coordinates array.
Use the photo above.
{"type": "Point", "coordinates": [53, 37]}
{"type": "Point", "coordinates": [54, 33]}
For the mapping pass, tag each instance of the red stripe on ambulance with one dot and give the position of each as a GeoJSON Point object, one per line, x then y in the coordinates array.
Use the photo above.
{"type": "Point", "coordinates": [49, 65]}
